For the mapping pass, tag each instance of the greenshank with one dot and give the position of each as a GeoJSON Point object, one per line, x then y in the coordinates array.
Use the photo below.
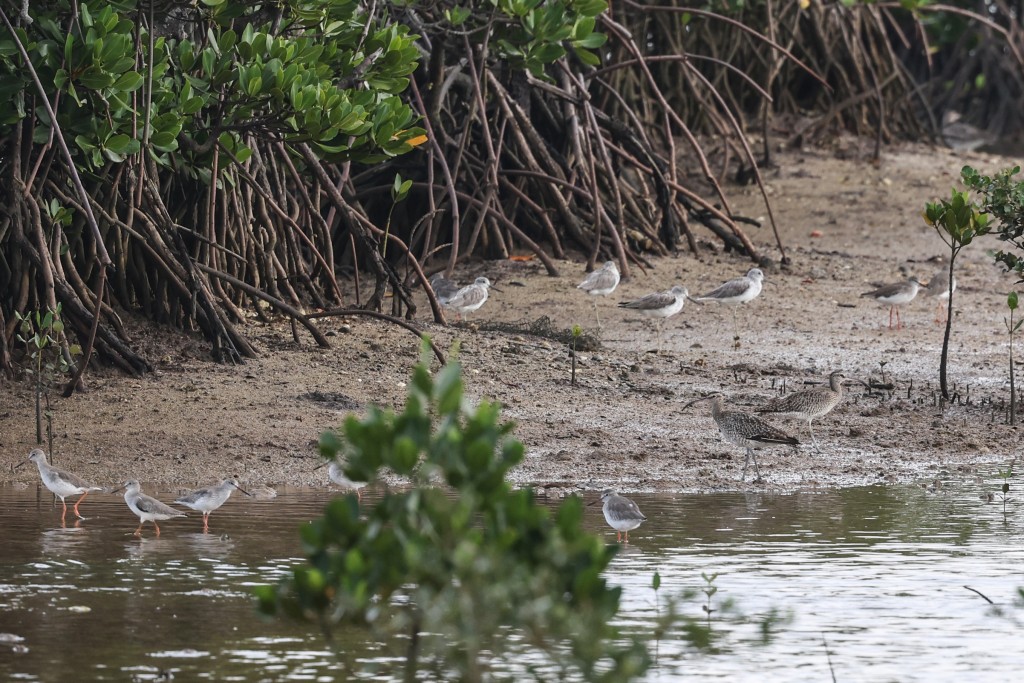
{"type": "Point", "coordinates": [146, 508]}
{"type": "Point", "coordinates": [895, 295]}
{"type": "Point", "coordinates": [659, 305]}
{"type": "Point", "coordinates": [734, 292]}
{"type": "Point", "coordinates": [745, 430]}
{"type": "Point", "coordinates": [61, 482]}
{"type": "Point", "coordinates": [470, 297]}
{"type": "Point", "coordinates": [209, 499]}
{"type": "Point", "coordinates": [939, 289]}
{"type": "Point", "coordinates": [810, 404]}
{"type": "Point", "coordinates": [621, 513]}
{"type": "Point", "coordinates": [601, 282]}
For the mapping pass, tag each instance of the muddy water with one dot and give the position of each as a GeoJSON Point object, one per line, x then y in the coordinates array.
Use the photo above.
{"type": "Point", "coordinates": [872, 580]}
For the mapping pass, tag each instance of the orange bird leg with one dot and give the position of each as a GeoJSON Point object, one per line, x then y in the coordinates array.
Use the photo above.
{"type": "Point", "coordinates": [138, 532]}
{"type": "Point", "coordinates": [65, 512]}
{"type": "Point", "coordinates": [890, 316]}
{"type": "Point", "coordinates": [79, 501]}
{"type": "Point", "coordinates": [157, 528]}
{"type": "Point", "coordinates": [206, 522]}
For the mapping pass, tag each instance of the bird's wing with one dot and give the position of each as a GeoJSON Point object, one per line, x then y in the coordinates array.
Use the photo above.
{"type": "Point", "coordinates": [886, 291]}
{"type": "Point", "coordinates": [467, 296]}
{"type": "Point", "coordinates": [193, 497]}
{"type": "Point", "coordinates": [767, 434]}
{"type": "Point", "coordinates": [728, 290]}
{"type": "Point", "coordinates": [152, 506]}
{"type": "Point", "coordinates": [599, 279]}
{"type": "Point", "coordinates": [75, 480]}
{"type": "Point", "coordinates": [650, 302]}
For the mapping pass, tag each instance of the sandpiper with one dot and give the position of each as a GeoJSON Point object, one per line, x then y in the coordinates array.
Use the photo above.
{"type": "Point", "coordinates": [146, 508]}
{"type": "Point", "coordinates": [209, 499]}
{"type": "Point", "coordinates": [810, 404]}
{"type": "Point", "coordinates": [444, 289]}
{"type": "Point", "coordinates": [938, 288]}
{"type": "Point", "coordinates": [470, 297]}
{"type": "Point", "coordinates": [894, 296]}
{"type": "Point", "coordinates": [745, 430]}
{"type": "Point", "coordinates": [621, 513]}
{"type": "Point", "coordinates": [336, 472]}
{"type": "Point", "coordinates": [60, 482]}
{"type": "Point", "coordinates": [601, 282]}
{"type": "Point", "coordinates": [659, 305]}
{"type": "Point", "coordinates": [736, 291]}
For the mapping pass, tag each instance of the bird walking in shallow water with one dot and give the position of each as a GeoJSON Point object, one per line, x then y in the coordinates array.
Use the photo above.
{"type": "Point", "coordinates": [745, 430]}
{"type": "Point", "coordinates": [895, 295]}
{"type": "Point", "coordinates": [61, 482]}
{"type": "Point", "coordinates": [938, 288]}
{"type": "Point", "coordinates": [336, 472]}
{"type": "Point", "coordinates": [659, 305]}
{"type": "Point", "coordinates": [470, 297]}
{"type": "Point", "coordinates": [810, 404]}
{"type": "Point", "coordinates": [146, 508]}
{"type": "Point", "coordinates": [734, 292]}
{"type": "Point", "coordinates": [621, 513]}
{"type": "Point", "coordinates": [601, 282]}
{"type": "Point", "coordinates": [209, 499]}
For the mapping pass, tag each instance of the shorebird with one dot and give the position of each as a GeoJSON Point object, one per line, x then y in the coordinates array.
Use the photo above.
{"type": "Point", "coordinates": [60, 482]}
{"type": "Point", "coordinates": [337, 474]}
{"type": "Point", "coordinates": [146, 508]}
{"type": "Point", "coordinates": [894, 296]}
{"type": "Point", "coordinates": [736, 291]}
{"type": "Point", "coordinates": [810, 404]}
{"type": "Point", "coordinates": [938, 287]}
{"type": "Point", "coordinates": [621, 513]}
{"type": "Point", "coordinates": [444, 289]}
{"type": "Point", "coordinates": [659, 305]}
{"type": "Point", "coordinates": [601, 282]}
{"type": "Point", "coordinates": [962, 136]}
{"type": "Point", "coordinates": [745, 430]}
{"type": "Point", "coordinates": [470, 297]}
{"type": "Point", "coordinates": [209, 499]}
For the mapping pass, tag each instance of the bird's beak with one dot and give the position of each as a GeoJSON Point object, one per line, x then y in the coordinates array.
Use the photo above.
{"type": "Point", "coordinates": [496, 289]}
{"type": "Point", "coordinates": [120, 488]}
{"type": "Point", "coordinates": [322, 465]}
{"type": "Point", "coordinates": [690, 298]}
{"type": "Point", "coordinates": [241, 489]}
{"type": "Point", "coordinates": [696, 400]}
{"type": "Point", "coordinates": [21, 463]}
{"type": "Point", "coordinates": [592, 504]}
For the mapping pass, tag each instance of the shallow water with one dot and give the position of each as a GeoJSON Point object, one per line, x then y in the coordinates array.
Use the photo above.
{"type": "Point", "coordinates": [876, 573]}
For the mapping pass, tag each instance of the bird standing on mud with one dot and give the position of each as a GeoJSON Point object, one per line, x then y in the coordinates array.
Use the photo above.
{"type": "Point", "coordinates": [895, 295]}
{"type": "Point", "coordinates": [734, 292]}
{"type": "Point", "coordinates": [810, 404]}
{"type": "Point", "coordinates": [659, 305]}
{"type": "Point", "coordinates": [470, 297]}
{"type": "Point", "coordinates": [601, 282]}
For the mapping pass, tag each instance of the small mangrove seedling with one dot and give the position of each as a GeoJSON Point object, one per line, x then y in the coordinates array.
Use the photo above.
{"type": "Point", "coordinates": [42, 333]}
{"type": "Point", "coordinates": [709, 591]}
{"type": "Point", "coordinates": [1011, 327]}
{"type": "Point", "coordinates": [399, 191]}
{"type": "Point", "coordinates": [1005, 488]}
{"type": "Point", "coordinates": [957, 221]}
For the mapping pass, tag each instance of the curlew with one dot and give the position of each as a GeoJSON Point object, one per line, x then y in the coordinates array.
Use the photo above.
{"type": "Point", "coordinates": [745, 430]}
{"type": "Point", "coordinates": [809, 405]}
